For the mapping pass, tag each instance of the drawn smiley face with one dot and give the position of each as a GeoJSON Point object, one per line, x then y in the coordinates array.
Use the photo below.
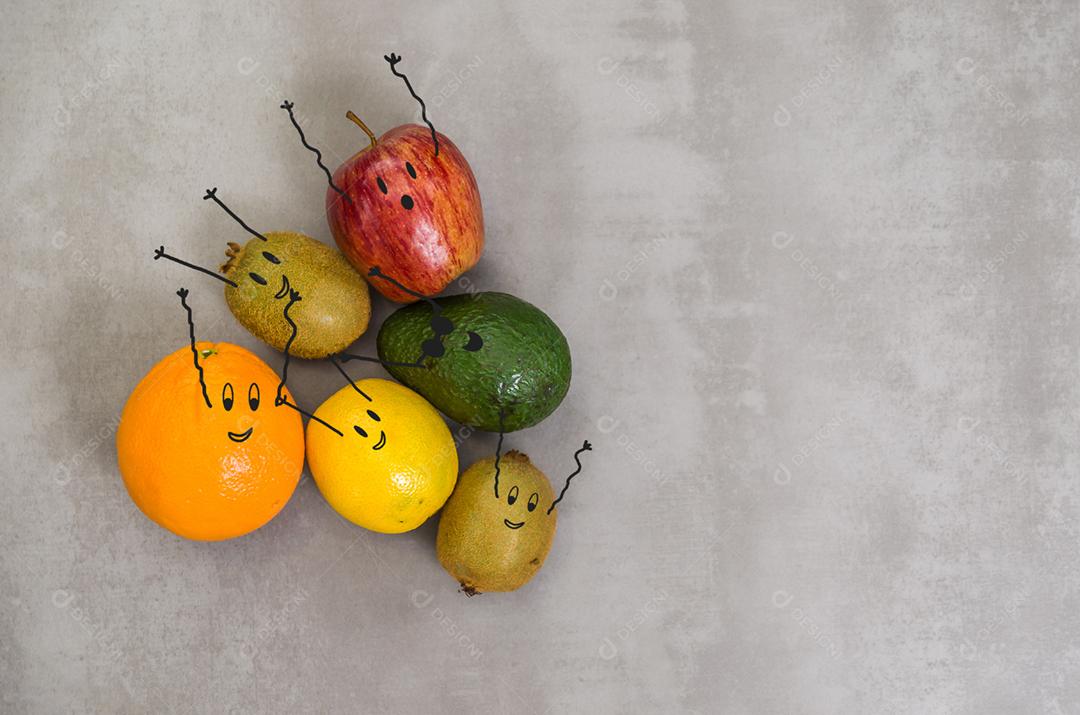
{"type": "Point", "coordinates": [258, 269]}
{"type": "Point", "coordinates": [530, 506]}
{"type": "Point", "coordinates": [407, 201]}
{"type": "Point", "coordinates": [373, 425]}
{"type": "Point", "coordinates": [228, 401]}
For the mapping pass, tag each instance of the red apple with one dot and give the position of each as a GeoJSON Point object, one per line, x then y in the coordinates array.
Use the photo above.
{"type": "Point", "coordinates": [414, 215]}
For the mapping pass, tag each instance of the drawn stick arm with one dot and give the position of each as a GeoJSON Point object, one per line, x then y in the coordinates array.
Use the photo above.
{"type": "Point", "coordinates": [159, 252]}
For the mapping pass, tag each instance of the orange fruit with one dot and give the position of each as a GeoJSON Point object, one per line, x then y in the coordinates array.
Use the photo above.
{"type": "Point", "coordinates": [210, 473]}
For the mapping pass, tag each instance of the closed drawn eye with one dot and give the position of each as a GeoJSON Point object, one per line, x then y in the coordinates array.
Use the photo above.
{"type": "Point", "coordinates": [409, 168]}
{"type": "Point", "coordinates": [381, 183]}
{"type": "Point", "coordinates": [475, 342]}
{"type": "Point", "coordinates": [257, 278]}
{"type": "Point", "coordinates": [271, 257]}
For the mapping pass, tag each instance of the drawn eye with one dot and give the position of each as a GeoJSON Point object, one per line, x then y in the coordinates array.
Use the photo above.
{"type": "Point", "coordinates": [475, 342]}
{"type": "Point", "coordinates": [257, 278]}
{"type": "Point", "coordinates": [512, 496]}
{"type": "Point", "coordinates": [441, 325]}
{"type": "Point", "coordinates": [432, 348]}
{"type": "Point", "coordinates": [359, 430]}
{"type": "Point", "coordinates": [227, 396]}
{"type": "Point", "coordinates": [409, 168]}
{"type": "Point", "coordinates": [253, 397]}
{"type": "Point", "coordinates": [533, 501]}
{"type": "Point", "coordinates": [381, 183]}
{"type": "Point", "coordinates": [372, 415]}
{"type": "Point", "coordinates": [271, 257]}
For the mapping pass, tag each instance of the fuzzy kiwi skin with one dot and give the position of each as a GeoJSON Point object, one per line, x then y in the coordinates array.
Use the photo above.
{"type": "Point", "coordinates": [334, 308]}
{"type": "Point", "coordinates": [474, 544]}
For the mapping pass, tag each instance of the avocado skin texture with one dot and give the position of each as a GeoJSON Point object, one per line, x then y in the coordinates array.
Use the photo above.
{"type": "Point", "coordinates": [475, 545]}
{"type": "Point", "coordinates": [523, 367]}
{"type": "Point", "coordinates": [334, 306]}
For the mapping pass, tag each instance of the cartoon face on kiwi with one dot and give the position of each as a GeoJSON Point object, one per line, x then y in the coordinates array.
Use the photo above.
{"type": "Point", "coordinates": [498, 526]}
{"type": "Point", "coordinates": [263, 272]}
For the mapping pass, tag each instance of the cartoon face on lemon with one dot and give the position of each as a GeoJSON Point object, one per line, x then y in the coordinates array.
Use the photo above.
{"type": "Point", "coordinates": [200, 451]}
{"type": "Point", "coordinates": [381, 455]}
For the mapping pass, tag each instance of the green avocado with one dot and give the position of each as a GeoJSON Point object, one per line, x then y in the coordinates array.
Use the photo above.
{"type": "Point", "coordinates": [516, 378]}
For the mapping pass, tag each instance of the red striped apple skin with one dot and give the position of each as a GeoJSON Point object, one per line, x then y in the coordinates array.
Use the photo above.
{"type": "Point", "coordinates": [423, 232]}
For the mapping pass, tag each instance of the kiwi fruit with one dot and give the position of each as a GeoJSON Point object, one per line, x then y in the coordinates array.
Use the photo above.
{"type": "Point", "coordinates": [334, 307]}
{"type": "Point", "coordinates": [497, 543]}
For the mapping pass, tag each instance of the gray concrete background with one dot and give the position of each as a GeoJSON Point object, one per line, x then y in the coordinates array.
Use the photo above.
{"type": "Point", "coordinates": [817, 264]}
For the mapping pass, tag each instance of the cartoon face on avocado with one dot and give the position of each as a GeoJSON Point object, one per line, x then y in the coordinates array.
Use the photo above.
{"type": "Point", "coordinates": [431, 346]}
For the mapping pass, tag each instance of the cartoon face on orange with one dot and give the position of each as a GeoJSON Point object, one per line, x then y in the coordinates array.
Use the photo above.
{"type": "Point", "coordinates": [214, 463]}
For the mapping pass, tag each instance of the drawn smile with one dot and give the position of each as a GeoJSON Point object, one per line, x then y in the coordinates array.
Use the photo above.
{"type": "Point", "coordinates": [513, 524]}
{"type": "Point", "coordinates": [284, 287]}
{"type": "Point", "coordinates": [242, 436]}
{"type": "Point", "coordinates": [382, 441]}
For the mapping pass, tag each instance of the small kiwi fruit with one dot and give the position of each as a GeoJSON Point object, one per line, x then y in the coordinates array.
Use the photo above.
{"type": "Point", "coordinates": [497, 543]}
{"type": "Point", "coordinates": [334, 308]}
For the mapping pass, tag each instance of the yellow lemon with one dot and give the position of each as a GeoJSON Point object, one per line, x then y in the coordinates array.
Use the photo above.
{"type": "Point", "coordinates": [394, 463]}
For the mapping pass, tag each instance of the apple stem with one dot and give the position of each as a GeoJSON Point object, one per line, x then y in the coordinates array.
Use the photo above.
{"type": "Point", "coordinates": [370, 135]}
